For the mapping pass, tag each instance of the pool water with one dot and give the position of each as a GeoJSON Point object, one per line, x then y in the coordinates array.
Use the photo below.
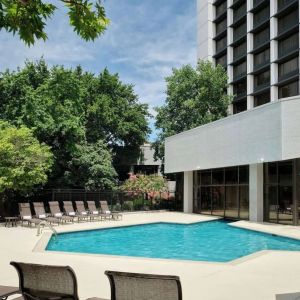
{"type": "Point", "coordinates": [214, 241]}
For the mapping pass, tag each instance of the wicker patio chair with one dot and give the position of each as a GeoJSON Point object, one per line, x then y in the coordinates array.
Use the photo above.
{"type": "Point", "coordinates": [56, 212]}
{"type": "Point", "coordinates": [68, 207]}
{"type": "Point", "coordinates": [135, 286]}
{"type": "Point", "coordinates": [26, 216]}
{"type": "Point", "coordinates": [42, 282]}
{"type": "Point", "coordinates": [114, 215]}
{"type": "Point", "coordinates": [41, 213]}
{"type": "Point", "coordinates": [82, 211]}
{"type": "Point", "coordinates": [94, 211]}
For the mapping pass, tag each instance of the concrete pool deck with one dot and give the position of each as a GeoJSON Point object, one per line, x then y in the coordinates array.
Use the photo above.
{"type": "Point", "coordinates": [266, 275]}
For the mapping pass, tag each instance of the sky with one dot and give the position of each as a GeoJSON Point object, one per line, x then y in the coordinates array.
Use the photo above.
{"type": "Point", "coordinates": [143, 42]}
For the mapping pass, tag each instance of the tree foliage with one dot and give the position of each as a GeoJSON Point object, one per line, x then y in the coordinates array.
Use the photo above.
{"type": "Point", "coordinates": [28, 18]}
{"type": "Point", "coordinates": [194, 97]}
{"type": "Point", "coordinates": [68, 108]}
{"type": "Point", "coordinates": [24, 162]}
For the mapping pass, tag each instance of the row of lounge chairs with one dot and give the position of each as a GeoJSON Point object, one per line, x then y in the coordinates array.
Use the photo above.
{"type": "Point", "coordinates": [57, 216]}
{"type": "Point", "coordinates": [42, 282]}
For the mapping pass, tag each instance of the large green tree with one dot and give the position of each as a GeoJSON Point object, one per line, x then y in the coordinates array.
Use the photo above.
{"type": "Point", "coordinates": [67, 108]}
{"type": "Point", "coordinates": [28, 18]}
{"type": "Point", "coordinates": [195, 96]}
{"type": "Point", "coordinates": [24, 161]}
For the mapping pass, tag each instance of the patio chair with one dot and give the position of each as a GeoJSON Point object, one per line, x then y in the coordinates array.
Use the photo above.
{"type": "Point", "coordinates": [94, 211]}
{"type": "Point", "coordinates": [6, 291]}
{"type": "Point", "coordinates": [41, 213]}
{"type": "Point", "coordinates": [109, 214]}
{"type": "Point", "coordinates": [81, 210]}
{"type": "Point", "coordinates": [43, 282]}
{"type": "Point", "coordinates": [68, 207]}
{"type": "Point", "coordinates": [135, 286]}
{"type": "Point", "coordinates": [26, 216]}
{"type": "Point", "coordinates": [57, 213]}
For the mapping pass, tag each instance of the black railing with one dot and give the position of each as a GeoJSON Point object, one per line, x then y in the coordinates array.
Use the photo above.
{"type": "Point", "coordinates": [288, 45]}
{"type": "Point", "coordinates": [261, 38]}
{"type": "Point", "coordinates": [239, 51]}
{"type": "Point", "coordinates": [261, 16]}
{"type": "Point", "coordinates": [289, 21]}
{"type": "Point", "coordinates": [239, 32]}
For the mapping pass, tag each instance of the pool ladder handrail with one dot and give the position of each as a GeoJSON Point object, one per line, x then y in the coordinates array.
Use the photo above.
{"type": "Point", "coordinates": [47, 224]}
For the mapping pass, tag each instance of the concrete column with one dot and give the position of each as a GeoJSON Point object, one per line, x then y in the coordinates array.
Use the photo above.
{"type": "Point", "coordinates": [188, 192]}
{"type": "Point", "coordinates": [256, 192]}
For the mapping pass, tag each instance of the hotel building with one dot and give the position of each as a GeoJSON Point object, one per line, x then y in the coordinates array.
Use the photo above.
{"type": "Point", "coordinates": [247, 165]}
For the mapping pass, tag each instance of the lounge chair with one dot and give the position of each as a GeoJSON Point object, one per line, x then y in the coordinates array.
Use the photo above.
{"type": "Point", "coordinates": [94, 211]}
{"type": "Point", "coordinates": [6, 291]}
{"type": "Point", "coordinates": [135, 286]}
{"type": "Point", "coordinates": [41, 213]}
{"type": "Point", "coordinates": [57, 213]}
{"type": "Point", "coordinates": [109, 214]}
{"type": "Point", "coordinates": [26, 216]}
{"type": "Point", "coordinates": [68, 207]}
{"type": "Point", "coordinates": [80, 209]}
{"type": "Point", "coordinates": [46, 282]}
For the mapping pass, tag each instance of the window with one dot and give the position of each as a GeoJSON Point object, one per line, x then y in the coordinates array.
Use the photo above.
{"type": "Point", "coordinates": [262, 58]}
{"type": "Point", "coordinates": [289, 90]}
{"type": "Point", "coordinates": [240, 12]}
{"type": "Point", "coordinates": [239, 50]}
{"type": "Point", "coordinates": [240, 31]}
{"type": "Point", "coordinates": [221, 8]}
{"type": "Point", "coordinates": [288, 68]}
{"type": "Point", "coordinates": [239, 106]}
{"type": "Point", "coordinates": [240, 88]}
{"type": "Point", "coordinates": [262, 79]}
{"type": "Point", "coordinates": [240, 70]}
{"type": "Point", "coordinates": [261, 16]}
{"type": "Point", "coordinates": [288, 45]}
{"type": "Point", "coordinates": [221, 26]}
{"type": "Point", "coordinates": [222, 61]}
{"type": "Point", "coordinates": [288, 21]}
{"type": "Point", "coordinates": [261, 37]}
{"type": "Point", "coordinates": [262, 99]}
{"type": "Point", "coordinates": [221, 44]}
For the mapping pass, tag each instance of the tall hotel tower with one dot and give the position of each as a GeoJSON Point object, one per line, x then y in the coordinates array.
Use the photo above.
{"type": "Point", "coordinates": [246, 166]}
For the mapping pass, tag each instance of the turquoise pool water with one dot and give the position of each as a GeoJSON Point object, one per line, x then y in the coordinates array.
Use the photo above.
{"type": "Point", "coordinates": [207, 241]}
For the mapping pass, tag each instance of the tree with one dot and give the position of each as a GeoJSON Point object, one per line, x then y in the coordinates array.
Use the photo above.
{"type": "Point", "coordinates": [194, 97]}
{"type": "Point", "coordinates": [24, 162]}
{"type": "Point", "coordinates": [28, 18]}
{"type": "Point", "coordinates": [91, 167]}
{"type": "Point", "coordinates": [68, 107]}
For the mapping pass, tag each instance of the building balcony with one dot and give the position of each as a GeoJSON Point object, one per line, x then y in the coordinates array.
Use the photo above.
{"type": "Point", "coordinates": [261, 67]}
{"type": "Point", "coordinates": [286, 54]}
{"type": "Point", "coordinates": [282, 80]}
{"type": "Point", "coordinates": [285, 6]}
{"type": "Point", "coordinates": [259, 4]}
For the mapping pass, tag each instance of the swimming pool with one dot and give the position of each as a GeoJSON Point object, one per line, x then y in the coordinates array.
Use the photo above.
{"type": "Point", "coordinates": [214, 241]}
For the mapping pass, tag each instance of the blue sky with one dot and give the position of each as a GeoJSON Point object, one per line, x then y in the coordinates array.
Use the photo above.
{"type": "Point", "coordinates": [144, 41]}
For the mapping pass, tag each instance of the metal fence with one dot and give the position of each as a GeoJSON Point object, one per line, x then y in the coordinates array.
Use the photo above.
{"type": "Point", "coordinates": [117, 201]}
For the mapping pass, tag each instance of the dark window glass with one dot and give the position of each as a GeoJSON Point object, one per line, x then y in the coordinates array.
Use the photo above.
{"type": "Point", "coordinates": [239, 31]}
{"type": "Point", "coordinates": [206, 200]}
{"type": "Point", "coordinates": [272, 203]}
{"type": "Point", "coordinates": [218, 200]}
{"type": "Point", "coordinates": [240, 70]}
{"type": "Point", "coordinates": [222, 60]}
{"type": "Point", "coordinates": [261, 16]}
{"type": "Point", "coordinates": [261, 37]}
{"type": "Point", "coordinates": [285, 172]}
{"type": "Point", "coordinates": [271, 173]}
{"type": "Point", "coordinates": [262, 58]}
{"type": "Point", "coordinates": [289, 90]}
{"type": "Point", "coordinates": [222, 7]}
{"type": "Point", "coordinates": [231, 175]}
{"type": "Point", "coordinates": [221, 44]}
{"type": "Point", "coordinates": [240, 88]}
{"type": "Point", "coordinates": [221, 26]}
{"type": "Point", "coordinates": [288, 45]}
{"type": "Point", "coordinates": [231, 209]}
{"type": "Point", "coordinates": [218, 176]}
{"type": "Point", "coordinates": [243, 174]}
{"type": "Point", "coordinates": [244, 202]}
{"type": "Point", "coordinates": [288, 67]}
{"type": "Point", "coordinates": [283, 3]}
{"type": "Point", "coordinates": [239, 106]}
{"type": "Point", "coordinates": [239, 50]}
{"type": "Point", "coordinates": [206, 178]}
{"type": "Point", "coordinates": [262, 79]}
{"type": "Point", "coordinates": [240, 11]}
{"type": "Point", "coordinates": [262, 99]}
{"type": "Point", "coordinates": [288, 21]}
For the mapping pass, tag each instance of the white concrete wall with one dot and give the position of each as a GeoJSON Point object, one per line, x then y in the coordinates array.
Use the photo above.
{"type": "Point", "coordinates": [265, 133]}
{"type": "Point", "coordinates": [188, 192]}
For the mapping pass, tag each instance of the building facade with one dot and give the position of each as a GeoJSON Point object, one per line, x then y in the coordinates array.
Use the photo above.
{"type": "Point", "coordinates": [246, 166]}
